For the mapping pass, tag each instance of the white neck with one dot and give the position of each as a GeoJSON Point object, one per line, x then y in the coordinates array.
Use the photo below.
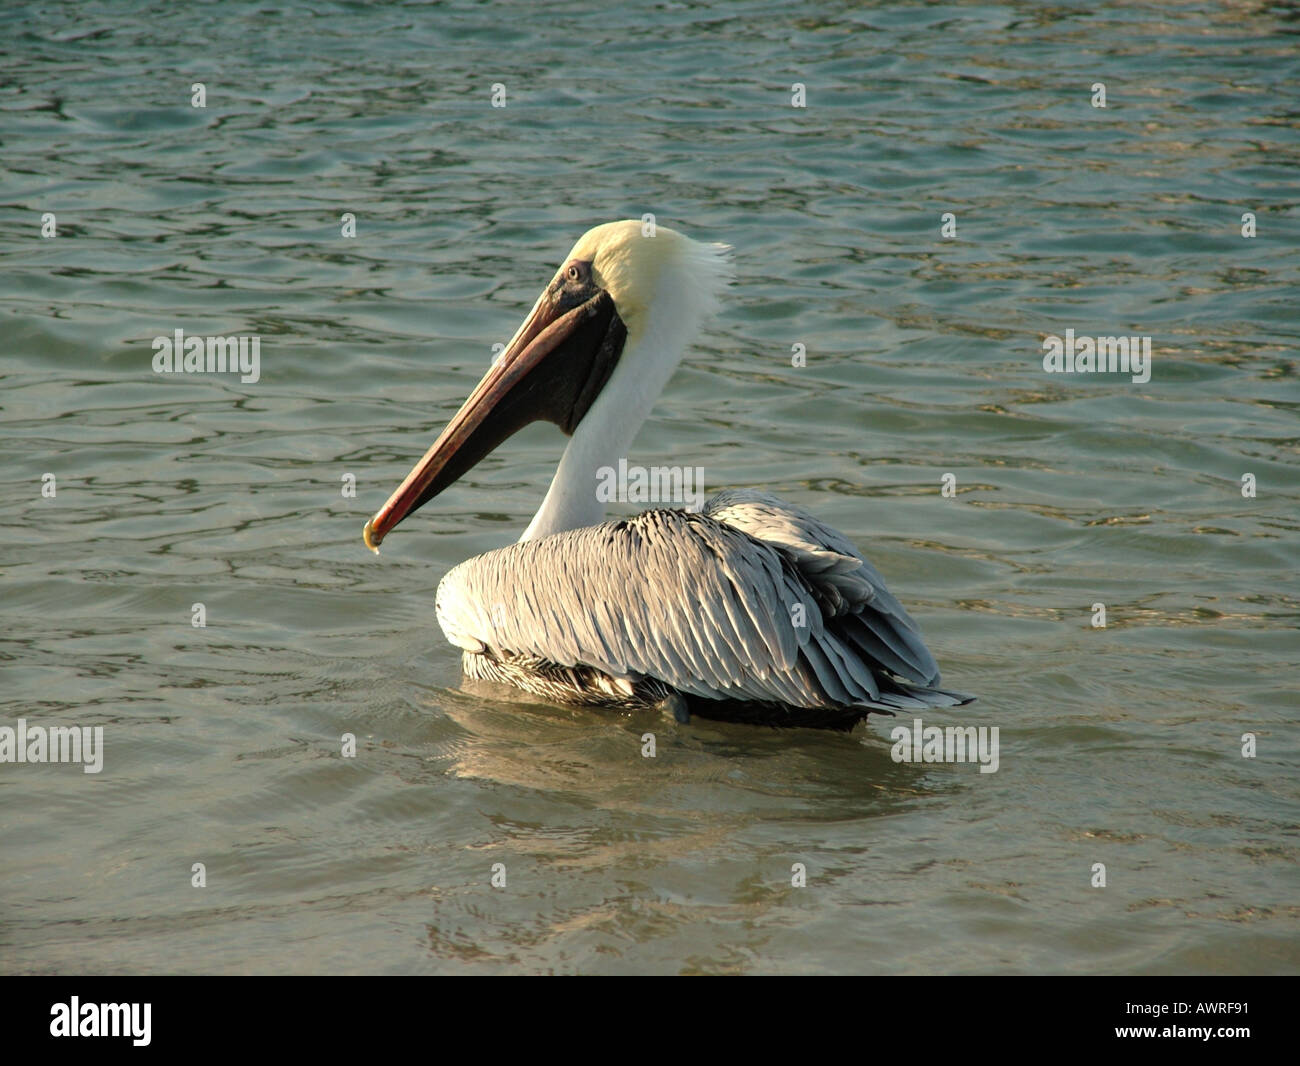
{"type": "Point", "coordinates": [611, 424]}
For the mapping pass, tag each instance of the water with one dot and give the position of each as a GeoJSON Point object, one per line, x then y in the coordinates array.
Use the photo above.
{"type": "Point", "coordinates": [1119, 746]}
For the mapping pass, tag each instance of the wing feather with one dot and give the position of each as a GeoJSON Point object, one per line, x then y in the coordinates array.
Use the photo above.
{"type": "Point", "coordinates": [705, 603]}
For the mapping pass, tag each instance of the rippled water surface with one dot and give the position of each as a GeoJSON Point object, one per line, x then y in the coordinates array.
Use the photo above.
{"type": "Point", "coordinates": [1119, 745]}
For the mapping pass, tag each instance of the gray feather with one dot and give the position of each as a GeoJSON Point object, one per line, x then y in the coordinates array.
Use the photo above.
{"type": "Point", "coordinates": [700, 604]}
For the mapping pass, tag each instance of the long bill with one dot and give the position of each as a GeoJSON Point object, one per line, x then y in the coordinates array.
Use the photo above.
{"type": "Point", "coordinates": [552, 370]}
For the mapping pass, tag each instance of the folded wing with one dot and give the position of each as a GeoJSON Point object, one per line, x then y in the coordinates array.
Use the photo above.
{"type": "Point", "coordinates": [751, 599]}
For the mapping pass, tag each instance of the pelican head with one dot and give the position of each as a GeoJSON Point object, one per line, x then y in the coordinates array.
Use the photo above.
{"type": "Point", "coordinates": [621, 307]}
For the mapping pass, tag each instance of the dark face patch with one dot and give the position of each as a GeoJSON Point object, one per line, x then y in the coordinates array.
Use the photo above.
{"type": "Point", "coordinates": [565, 386]}
{"type": "Point", "coordinates": [573, 284]}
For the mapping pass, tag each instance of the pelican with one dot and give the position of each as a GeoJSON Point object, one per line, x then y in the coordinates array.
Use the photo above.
{"type": "Point", "coordinates": [749, 609]}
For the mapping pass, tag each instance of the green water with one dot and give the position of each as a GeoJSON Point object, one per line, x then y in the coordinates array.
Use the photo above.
{"type": "Point", "coordinates": [1119, 745]}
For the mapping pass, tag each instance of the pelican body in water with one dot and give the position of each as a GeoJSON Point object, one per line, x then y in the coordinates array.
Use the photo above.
{"type": "Point", "coordinates": [749, 610]}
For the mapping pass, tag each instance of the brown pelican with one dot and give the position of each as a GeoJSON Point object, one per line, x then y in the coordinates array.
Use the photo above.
{"type": "Point", "coordinates": [750, 609]}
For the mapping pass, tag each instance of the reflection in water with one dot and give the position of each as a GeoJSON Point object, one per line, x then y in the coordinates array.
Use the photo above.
{"type": "Point", "coordinates": [619, 862]}
{"type": "Point", "coordinates": [596, 756]}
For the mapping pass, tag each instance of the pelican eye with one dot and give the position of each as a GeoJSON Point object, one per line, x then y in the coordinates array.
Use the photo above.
{"type": "Point", "coordinates": [573, 273]}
